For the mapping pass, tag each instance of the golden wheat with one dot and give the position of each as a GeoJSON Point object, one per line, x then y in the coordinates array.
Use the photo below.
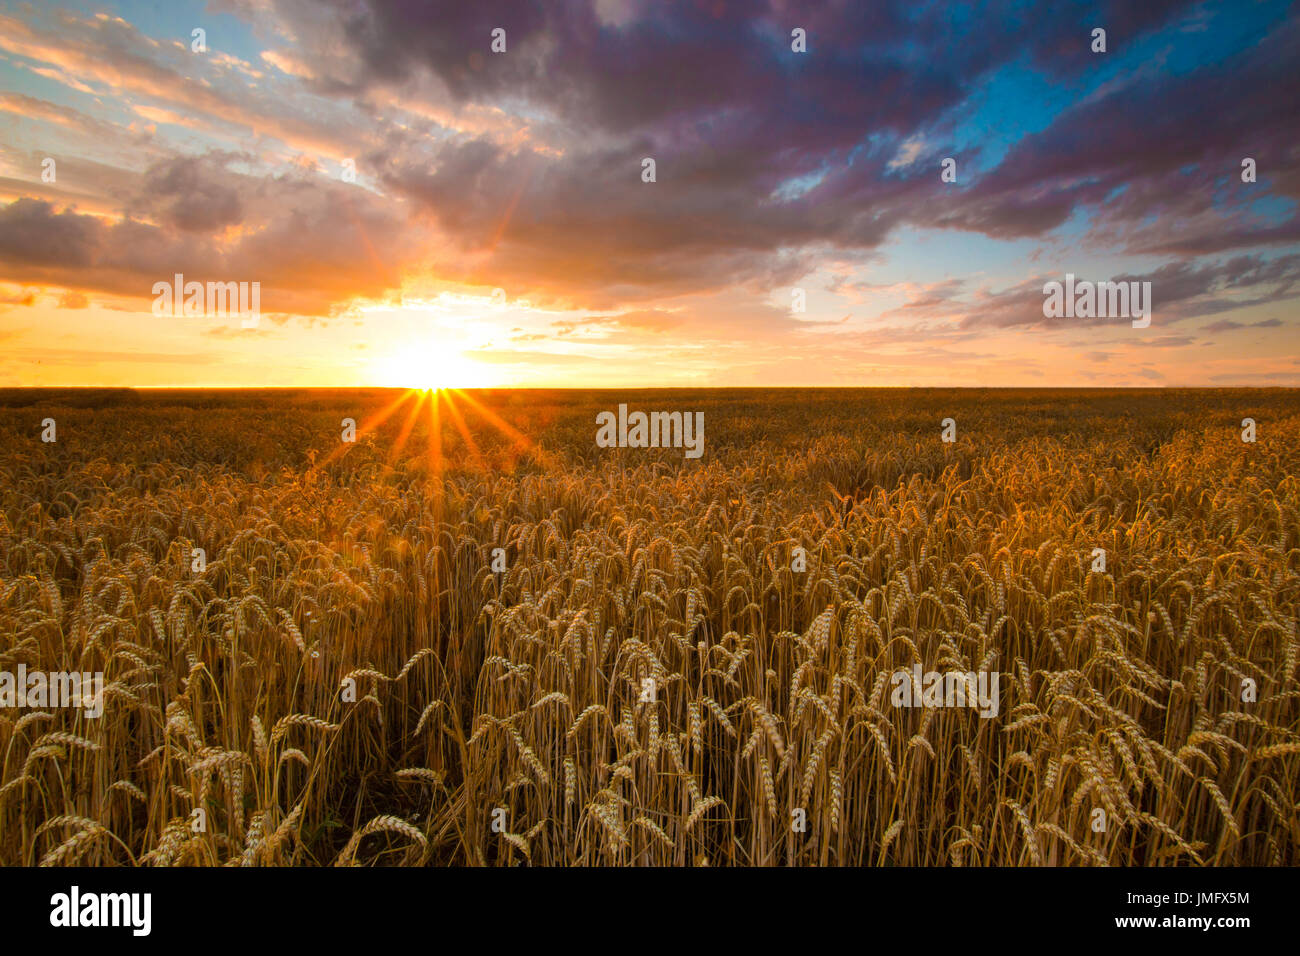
{"type": "Point", "coordinates": [651, 680]}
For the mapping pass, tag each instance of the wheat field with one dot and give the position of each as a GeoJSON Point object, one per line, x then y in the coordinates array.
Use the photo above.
{"type": "Point", "coordinates": [500, 716]}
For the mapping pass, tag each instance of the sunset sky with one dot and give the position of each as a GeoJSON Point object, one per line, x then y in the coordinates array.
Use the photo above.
{"type": "Point", "coordinates": [775, 170]}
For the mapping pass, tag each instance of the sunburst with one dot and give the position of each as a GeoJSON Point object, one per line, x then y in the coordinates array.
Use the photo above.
{"type": "Point", "coordinates": [432, 402]}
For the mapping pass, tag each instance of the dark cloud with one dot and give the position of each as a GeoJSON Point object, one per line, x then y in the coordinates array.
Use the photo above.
{"type": "Point", "coordinates": [189, 193]}
{"type": "Point", "coordinates": [32, 234]}
{"type": "Point", "coordinates": [1149, 153]}
{"type": "Point", "coordinates": [1179, 291]}
{"type": "Point", "coordinates": [732, 117]}
{"type": "Point", "coordinates": [310, 245]}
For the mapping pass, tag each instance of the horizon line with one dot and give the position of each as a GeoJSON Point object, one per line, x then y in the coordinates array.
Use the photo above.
{"type": "Point", "coordinates": [628, 388]}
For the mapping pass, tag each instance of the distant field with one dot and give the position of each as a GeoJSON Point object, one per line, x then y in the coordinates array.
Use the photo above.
{"type": "Point", "coordinates": [650, 671]}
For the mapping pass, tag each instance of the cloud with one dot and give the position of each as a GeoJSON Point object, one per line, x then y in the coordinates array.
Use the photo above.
{"type": "Point", "coordinates": [1228, 325]}
{"type": "Point", "coordinates": [168, 80]}
{"type": "Point", "coordinates": [645, 320]}
{"type": "Point", "coordinates": [522, 357]}
{"type": "Point", "coordinates": [25, 298]}
{"type": "Point", "coordinates": [32, 234]}
{"type": "Point", "coordinates": [1143, 159]}
{"type": "Point", "coordinates": [60, 115]}
{"type": "Point", "coordinates": [60, 356]}
{"type": "Point", "coordinates": [312, 244]}
{"type": "Point", "coordinates": [908, 150]}
{"type": "Point", "coordinates": [189, 193]}
{"type": "Point", "coordinates": [1179, 290]}
{"type": "Point", "coordinates": [740, 117]}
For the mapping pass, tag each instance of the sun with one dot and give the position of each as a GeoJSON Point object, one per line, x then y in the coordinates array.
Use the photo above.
{"type": "Point", "coordinates": [429, 367]}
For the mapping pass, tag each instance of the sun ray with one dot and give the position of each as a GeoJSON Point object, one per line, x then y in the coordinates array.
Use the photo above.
{"type": "Point", "coordinates": [459, 422]}
{"type": "Point", "coordinates": [515, 435]}
{"type": "Point", "coordinates": [435, 442]}
{"type": "Point", "coordinates": [367, 426]}
{"type": "Point", "coordinates": [407, 426]}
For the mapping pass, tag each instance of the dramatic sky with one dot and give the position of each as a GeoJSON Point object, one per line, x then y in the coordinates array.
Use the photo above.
{"type": "Point", "coordinates": [498, 230]}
